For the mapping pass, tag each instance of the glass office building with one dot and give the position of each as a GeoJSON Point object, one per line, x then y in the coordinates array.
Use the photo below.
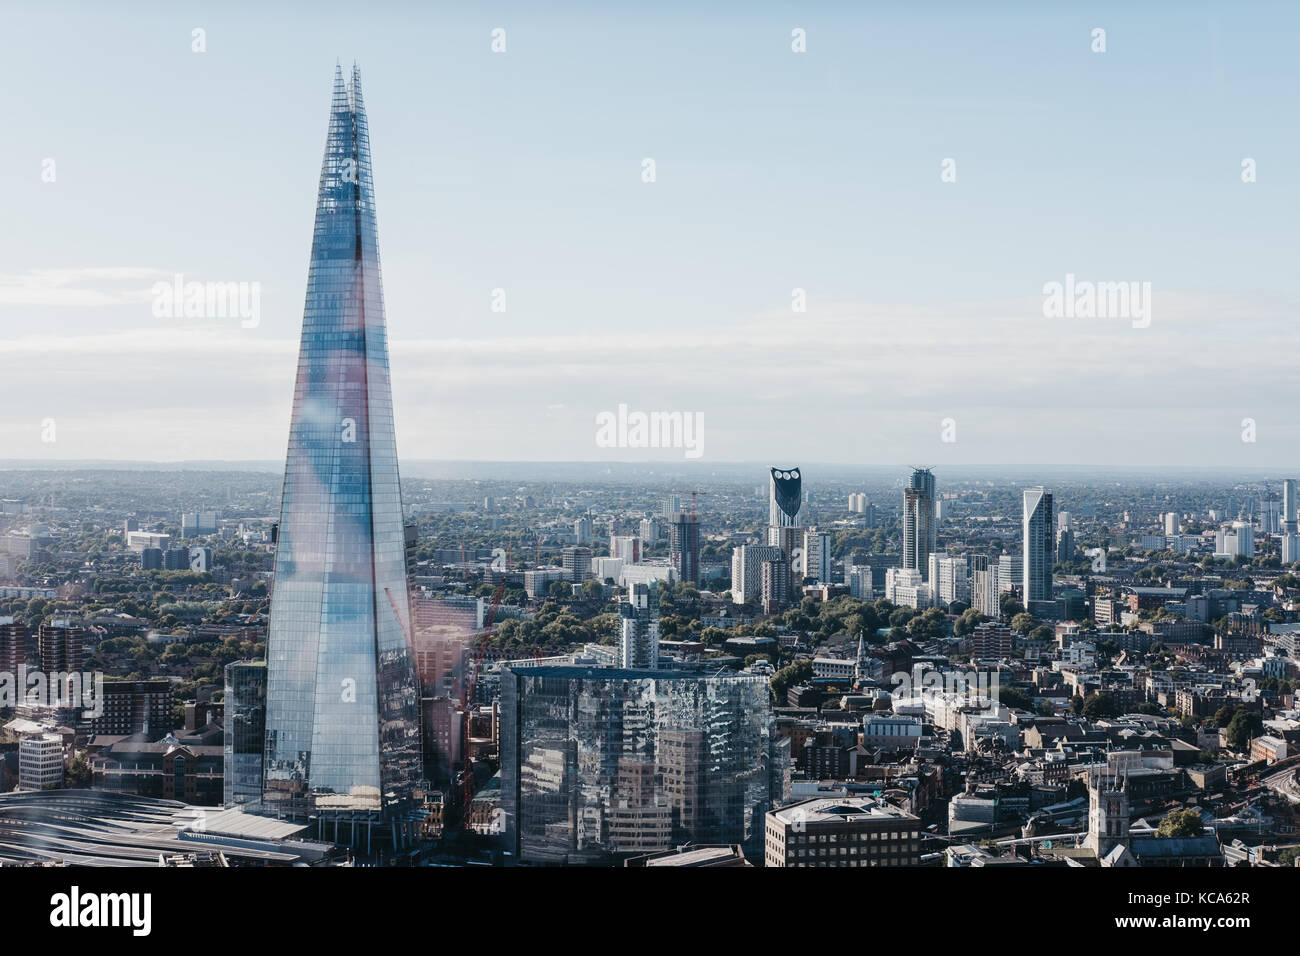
{"type": "Point", "coordinates": [600, 763]}
{"type": "Point", "coordinates": [342, 708]}
{"type": "Point", "coordinates": [245, 733]}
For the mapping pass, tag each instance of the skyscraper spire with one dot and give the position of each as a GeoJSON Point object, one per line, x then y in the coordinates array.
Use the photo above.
{"type": "Point", "coordinates": [342, 721]}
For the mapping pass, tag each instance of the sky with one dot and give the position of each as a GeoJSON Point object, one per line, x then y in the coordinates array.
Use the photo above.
{"type": "Point", "coordinates": [924, 337]}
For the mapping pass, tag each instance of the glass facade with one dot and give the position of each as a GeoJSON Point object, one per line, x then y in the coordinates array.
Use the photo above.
{"type": "Point", "coordinates": [245, 733]}
{"type": "Point", "coordinates": [342, 715]}
{"type": "Point", "coordinates": [600, 763]}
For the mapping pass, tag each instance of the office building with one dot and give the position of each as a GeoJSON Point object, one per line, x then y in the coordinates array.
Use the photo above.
{"type": "Point", "coordinates": [842, 831]}
{"type": "Point", "coordinates": [40, 761]}
{"type": "Point", "coordinates": [151, 559]}
{"type": "Point", "coordinates": [342, 704]}
{"type": "Point", "coordinates": [601, 763]}
{"type": "Point", "coordinates": [1289, 507]}
{"type": "Point", "coordinates": [244, 733]}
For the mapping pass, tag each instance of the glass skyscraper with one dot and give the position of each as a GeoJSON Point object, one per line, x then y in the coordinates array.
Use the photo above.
{"type": "Point", "coordinates": [342, 702]}
{"type": "Point", "coordinates": [599, 763]}
{"type": "Point", "coordinates": [245, 732]}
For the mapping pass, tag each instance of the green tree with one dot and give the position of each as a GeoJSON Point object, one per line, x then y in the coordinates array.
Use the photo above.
{"type": "Point", "coordinates": [1180, 823]}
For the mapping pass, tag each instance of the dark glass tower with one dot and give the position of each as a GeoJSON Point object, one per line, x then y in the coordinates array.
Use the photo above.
{"type": "Point", "coordinates": [342, 717]}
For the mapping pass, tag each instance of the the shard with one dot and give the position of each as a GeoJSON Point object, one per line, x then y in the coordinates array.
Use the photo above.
{"type": "Point", "coordinates": [342, 703]}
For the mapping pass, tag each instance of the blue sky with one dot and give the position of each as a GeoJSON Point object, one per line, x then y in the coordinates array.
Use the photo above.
{"type": "Point", "coordinates": [775, 170]}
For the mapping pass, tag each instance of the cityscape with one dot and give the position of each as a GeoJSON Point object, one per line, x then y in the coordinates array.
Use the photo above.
{"type": "Point", "coordinates": [323, 603]}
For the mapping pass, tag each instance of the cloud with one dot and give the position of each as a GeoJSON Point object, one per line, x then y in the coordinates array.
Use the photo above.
{"type": "Point", "coordinates": [79, 288]}
{"type": "Point", "coordinates": [845, 381]}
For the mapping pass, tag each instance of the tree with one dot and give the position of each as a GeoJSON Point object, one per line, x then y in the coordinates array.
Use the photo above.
{"type": "Point", "coordinates": [1180, 824]}
{"type": "Point", "coordinates": [78, 775]}
{"type": "Point", "coordinates": [1098, 706]}
{"type": "Point", "coordinates": [1023, 623]}
{"type": "Point", "coordinates": [1244, 725]}
{"type": "Point", "coordinates": [788, 676]}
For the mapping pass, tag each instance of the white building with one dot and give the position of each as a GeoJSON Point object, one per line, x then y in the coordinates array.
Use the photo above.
{"type": "Point", "coordinates": [40, 761]}
{"type": "Point", "coordinates": [817, 556]}
{"type": "Point", "coordinates": [747, 570]}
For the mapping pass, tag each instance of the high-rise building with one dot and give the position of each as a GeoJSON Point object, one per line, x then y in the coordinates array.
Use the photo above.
{"type": "Point", "coordinates": [245, 733]}
{"type": "Point", "coordinates": [747, 570]}
{"type": "Point", "coordinates": [860, 583]}
{"type": "Point", "coordinates": [984, 586]}
{"type": "Point", "coordinates": [582, 530]}
{"type": "Point", "coordinates": [136, 707]}
{"type": "Point", "coordinates": [1171, 522]}
{"type": "Point", "coordinates": [1235, 539]}
{"type": "Point", "coordinates": [920, 527]}
{"type": "Point", "coordinates": [951, 580]}
{"type": "Point", "coordinates": [151, 559]}
{"type": "Point", "coordinates": [785, 497]}
{"type": "Point", "coordinates": [1289, 506]}
{"type": "Point", "coordinates": [61, 646]}
{"type": "Point", "coordinates": [817, 556]}
{"type": "Point", "coordinates": [776, 587]}
{"type": "Point", "coordinates": [639, 627]}
{"type": "Point", "coordinates": [1039, 542]}
{"type": "Point", "coordinates": [684, 543]}
{"type": "Point", "coordinates": [627, 547]}
{"type": "Point", "coordinates": [13, 648]}
{"type": "Point", "coordinates": [1270, 517]}
{"type": "Point", "coordinates": [200, 522]}
{"type": "Point", "coordinates": [576, 562]}
{"type": "Point", "coordinates": [598, 763]}
{"type": "Point", "coordinates": [342, 704]}
{"type": "Point", "coordinates": [649, 531]}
